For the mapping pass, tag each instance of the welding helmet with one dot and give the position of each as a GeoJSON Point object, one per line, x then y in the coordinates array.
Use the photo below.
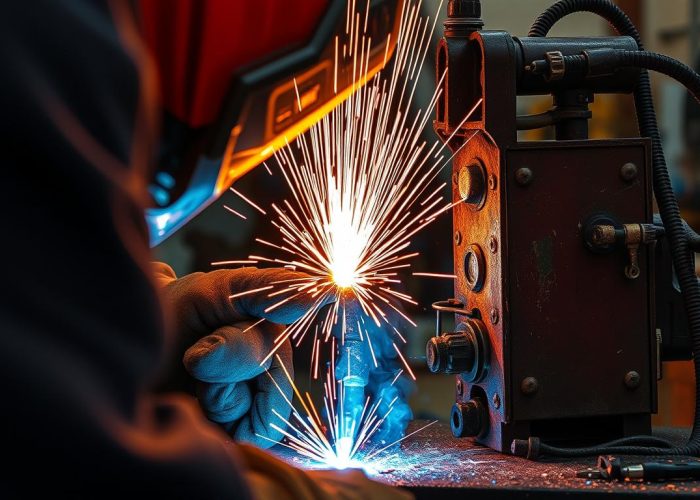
{"type": "Point", "coordinates": [241, 78]}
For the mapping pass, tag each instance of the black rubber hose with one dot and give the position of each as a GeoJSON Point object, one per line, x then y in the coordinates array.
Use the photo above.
{"type": "Point", "coordinates": [668, 208]}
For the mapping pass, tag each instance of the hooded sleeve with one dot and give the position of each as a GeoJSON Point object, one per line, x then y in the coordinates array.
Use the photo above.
{"type": "Point", "coordinates": [81, 328]}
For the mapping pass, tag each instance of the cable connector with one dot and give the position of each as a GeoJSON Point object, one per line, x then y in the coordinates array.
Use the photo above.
{"type": "Point", "coordinates": [602, 62]}
{"type": "Point", "coordinates": [527, 448]}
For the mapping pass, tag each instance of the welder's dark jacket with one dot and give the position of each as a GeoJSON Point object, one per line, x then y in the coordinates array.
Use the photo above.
{"type": "Point", "coordinates": [82, 335]}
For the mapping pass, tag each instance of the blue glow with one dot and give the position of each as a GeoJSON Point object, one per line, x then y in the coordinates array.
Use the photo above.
{"type": "Point", "coordinates": [165, 179]}
{"type": "Point", "coordinates": [163, 222]}
{"type": "Point", "coordinates": [160, 195]}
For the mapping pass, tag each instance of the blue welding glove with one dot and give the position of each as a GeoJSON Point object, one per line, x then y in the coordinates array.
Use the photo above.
{"type": "Point", "coordinates": [224, 351]}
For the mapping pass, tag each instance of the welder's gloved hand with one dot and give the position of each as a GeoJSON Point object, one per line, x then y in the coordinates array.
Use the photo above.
{"type": "Point", "coordinates": [270, 477]}
{"type": "Point", "coordinates": [223, 351]}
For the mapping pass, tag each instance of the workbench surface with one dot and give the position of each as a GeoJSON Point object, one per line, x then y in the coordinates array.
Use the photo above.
{"type": "Point", "coordinates": [434, 464]}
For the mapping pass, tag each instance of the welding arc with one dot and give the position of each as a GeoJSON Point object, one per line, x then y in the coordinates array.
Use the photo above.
{"type": "Point", "coordinates": [683, 261]}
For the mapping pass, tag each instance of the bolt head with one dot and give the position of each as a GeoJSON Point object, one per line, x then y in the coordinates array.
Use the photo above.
{"type": "Point", "coordinates": [496, 400]}
{"type": "Point", "coordinates": [529, 386]}
{"type": "Point", "coordinates": [628, 172]}
{"type": "Point", "coordinates": [458, 237]}
{"type": "Point", "coordinates": [494, 315]}
{"type": "Point", "coordinates": [492, 182]}
{"type": "Point", "coordinates": [632, 379]}
{"type": "Point", "coordinates": [460, 387]}
{"type": "Point", "coordinates": [523, 176]}
{"type": "Point", "coordinates": [493, 244]}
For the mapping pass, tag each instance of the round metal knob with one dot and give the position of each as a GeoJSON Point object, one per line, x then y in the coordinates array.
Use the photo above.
{"type": "Point", "coordinates": [450, 353]}
{"type": "Point", "coordinates": [465, 351]}
{"type": "Point", "coordinates": [469, 419]}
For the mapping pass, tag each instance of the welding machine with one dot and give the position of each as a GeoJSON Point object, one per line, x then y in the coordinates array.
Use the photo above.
{"type": "Point", "coordinates": [568, 287]}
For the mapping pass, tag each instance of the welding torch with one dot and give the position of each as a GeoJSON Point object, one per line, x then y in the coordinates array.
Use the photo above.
{"type": "Point", "coordinates": [353, 365]}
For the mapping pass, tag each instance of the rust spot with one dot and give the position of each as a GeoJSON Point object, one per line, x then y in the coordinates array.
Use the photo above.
{"type": "Point", "coordinates": [543, 251]}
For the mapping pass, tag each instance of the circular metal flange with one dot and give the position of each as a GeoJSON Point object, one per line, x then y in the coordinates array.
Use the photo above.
{"type": "Point", "coordinates": [471, 182]}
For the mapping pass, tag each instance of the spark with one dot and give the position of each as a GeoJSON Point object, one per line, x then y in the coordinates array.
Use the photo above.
{"type": "Point", "coordinates": [250, 292]}
{"type": "Point", "coordinates": [236, 213]}
{"type": "Point", "coordinates": [233, 262]}
{"type": "Point", "coordinates": [248, 201]}
{"type": "Point", "coordinates": [436, 275]}
{"type": "Point", "coordinates": [334, 441]}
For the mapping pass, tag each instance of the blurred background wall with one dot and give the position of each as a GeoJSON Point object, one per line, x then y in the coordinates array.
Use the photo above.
{"type": "Point", "coordinates": [667, 26]}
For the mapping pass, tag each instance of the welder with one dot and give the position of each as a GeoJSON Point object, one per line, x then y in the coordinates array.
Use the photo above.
{"type": "Point", "coordinates": [89, 327]}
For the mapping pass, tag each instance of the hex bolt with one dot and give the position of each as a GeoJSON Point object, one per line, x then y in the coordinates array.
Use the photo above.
{"type": "Point", "coordinates": [495, 316]}
{"type": "Point", "coordinates": [458, 238]}
{"type": "Point", "coordinates": [628, 172]}
{"type": "Point", "coordinates": [460, 387]}
{"type": "Point", "coordinates": [523, 176]}
{"type": "Point", "coordinates": [496, 400]}
{"type": "Point", "coordinates": [493, 244]}
{"type": "Point", "coordinates": [632, 379]}
{"type": "Point", "coordinates": [492, 182]}
{"type": "Point", "coordinates": [529, 386]}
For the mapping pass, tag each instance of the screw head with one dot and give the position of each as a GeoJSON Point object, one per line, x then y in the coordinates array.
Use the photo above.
{"type": "Point", "coordinates": [493, 244]}
{"type": "Point", "coordinates": [496, 400]}
{"type": "Point", "coordinates": [632, 379]}
{"type": "Point", "coordinates": [529, 386]}
{"type": "Point", "coordinates": [460, 387]}
{"type": "Point", "coordinates": [492, 182]}
{"type": "Point", "coordinates": [628, 172]}
{"type": "Point", "coordinates": [458, 237]}
{"type": "Point", "coordinates": [523, 176]}
{"type": "Point", "coordinates": [495, 316]}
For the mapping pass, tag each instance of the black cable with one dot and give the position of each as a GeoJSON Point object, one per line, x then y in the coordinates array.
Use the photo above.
{"type": "Point", "coordinates": [668, 209]}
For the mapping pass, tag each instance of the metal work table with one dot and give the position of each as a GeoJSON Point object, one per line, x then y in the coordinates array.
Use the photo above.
{"type": "Point", "coordinates": [434, 464]}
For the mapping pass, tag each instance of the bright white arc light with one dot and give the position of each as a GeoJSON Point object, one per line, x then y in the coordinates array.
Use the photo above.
{"type": "Point", "coordinates": [348, 240]}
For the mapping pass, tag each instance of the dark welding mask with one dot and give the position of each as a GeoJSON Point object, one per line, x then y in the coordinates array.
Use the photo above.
{"type": "Point", "coordinates": [241, 78]}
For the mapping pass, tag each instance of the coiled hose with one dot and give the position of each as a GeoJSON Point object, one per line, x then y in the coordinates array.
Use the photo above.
{"type": "Point", "coordinates": [668, 208]}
